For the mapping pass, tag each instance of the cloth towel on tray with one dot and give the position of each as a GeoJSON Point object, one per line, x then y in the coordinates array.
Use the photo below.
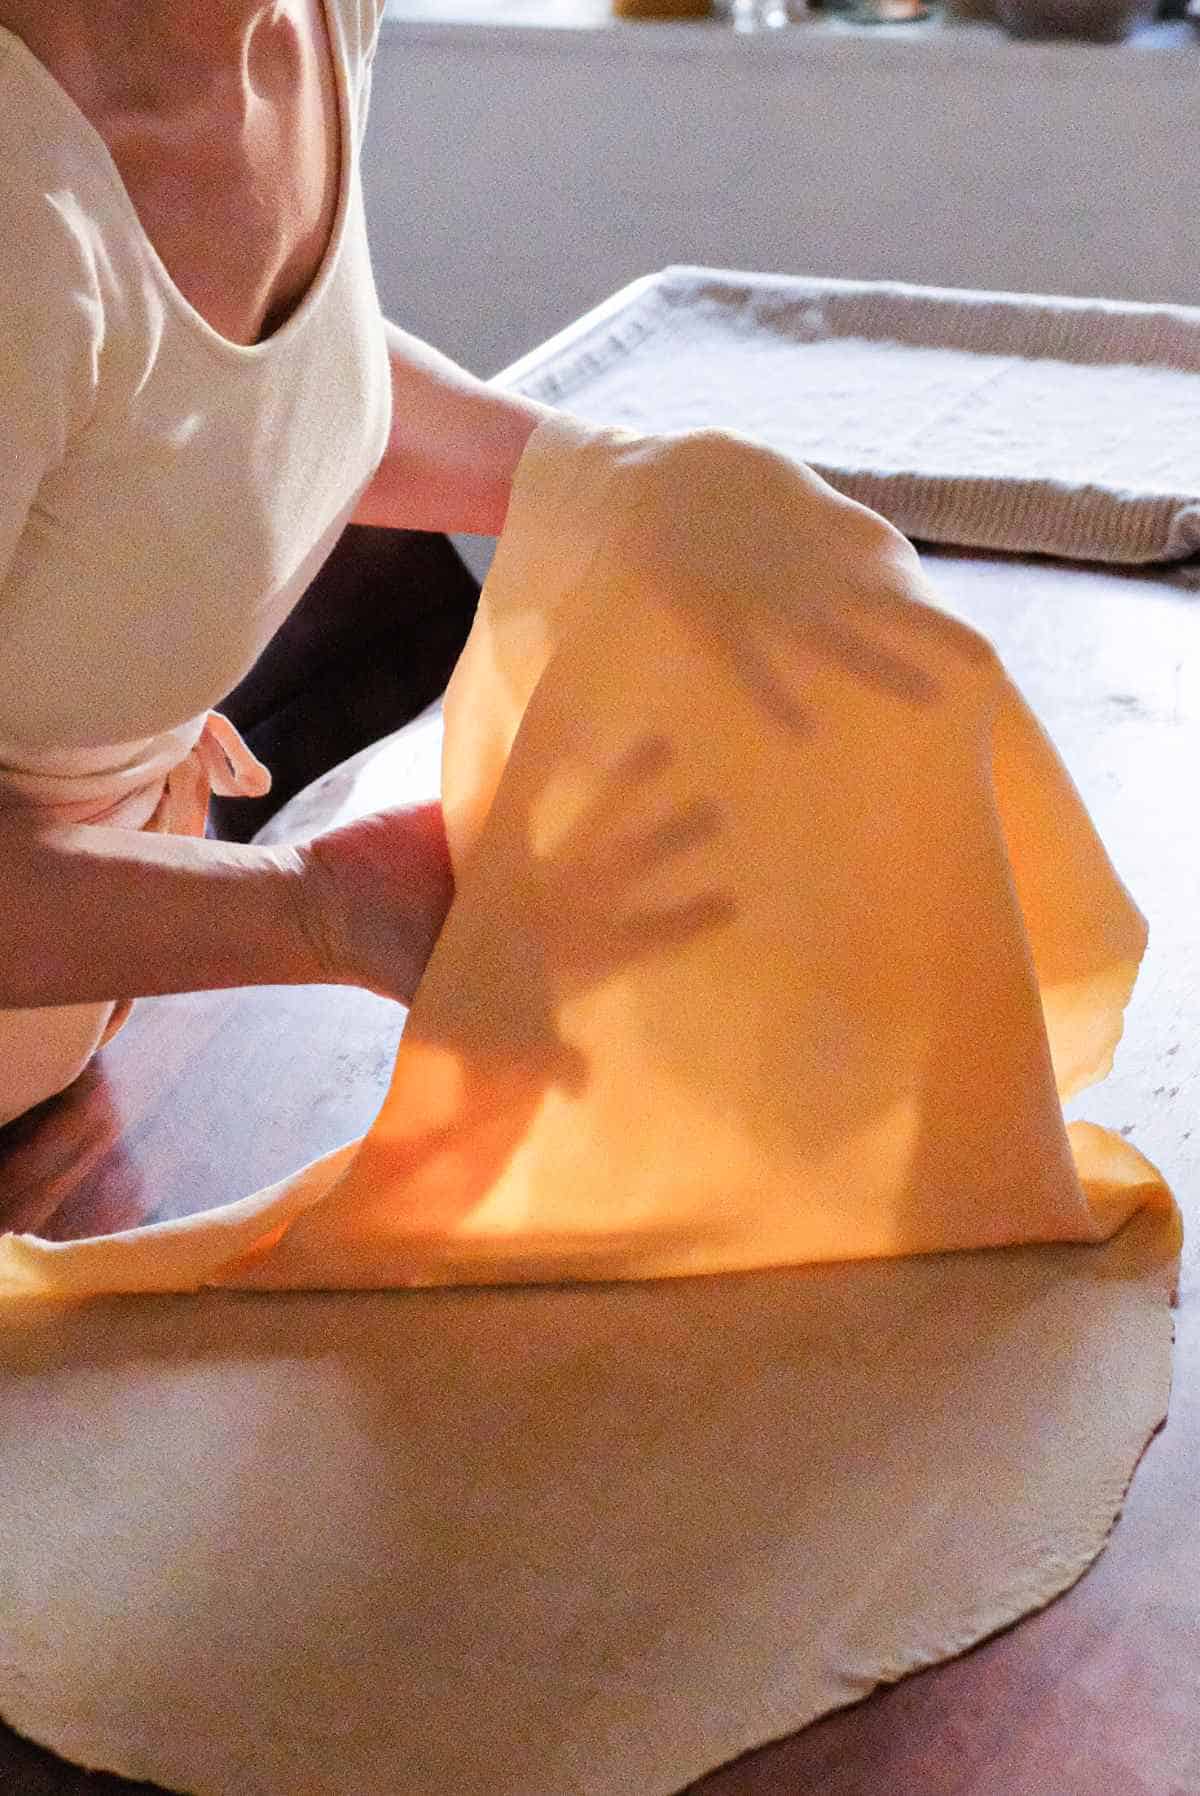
{"type": "Point", "coordinates": [1010, 421]}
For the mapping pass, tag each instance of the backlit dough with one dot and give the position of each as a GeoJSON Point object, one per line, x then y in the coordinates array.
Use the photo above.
{"type": "Point", "coordinates": [780, 930]}
{"type": "Point", "coordinates": [779, 934]}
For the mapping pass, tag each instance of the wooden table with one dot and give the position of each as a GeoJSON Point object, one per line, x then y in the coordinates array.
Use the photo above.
{"type": "Point", "coordinates": [205, 1098]}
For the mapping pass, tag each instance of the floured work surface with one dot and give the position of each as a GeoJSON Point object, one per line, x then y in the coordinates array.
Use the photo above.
{"type": "Point", "coordinates": [1026, 1358]}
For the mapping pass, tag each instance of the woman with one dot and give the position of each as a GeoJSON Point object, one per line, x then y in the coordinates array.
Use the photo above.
{"type": "Point", "coordinates": [197, 392]}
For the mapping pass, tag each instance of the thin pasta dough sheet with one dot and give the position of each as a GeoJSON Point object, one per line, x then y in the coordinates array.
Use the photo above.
{"type": "Point", "coordinates": [577, 1540]}
{"type": "Point", "coordinates": [780, 932]}
{"type": "Point", "coordinates": [779, 936]}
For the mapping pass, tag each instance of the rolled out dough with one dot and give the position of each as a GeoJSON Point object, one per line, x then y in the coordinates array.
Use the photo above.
{"type": "Point", "coordinates": [537, 1541]}
{"type": "Point", "coordinates": [779, 934]}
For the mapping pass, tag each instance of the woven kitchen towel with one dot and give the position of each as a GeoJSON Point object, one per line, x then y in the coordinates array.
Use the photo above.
{"type": "Point", "coordinates": [1011, 421]}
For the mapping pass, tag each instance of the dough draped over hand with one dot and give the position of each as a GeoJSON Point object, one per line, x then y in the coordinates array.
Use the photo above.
{"type": "Point", "coordinates": [780, 931]}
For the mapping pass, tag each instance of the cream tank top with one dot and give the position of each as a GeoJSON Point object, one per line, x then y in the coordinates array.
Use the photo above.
{"type": "Point", "coordinates": [166, 495]}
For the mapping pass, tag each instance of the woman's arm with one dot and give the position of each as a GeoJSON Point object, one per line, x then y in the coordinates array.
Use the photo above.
{"type": "Point", "coordinates": [454, 446]}
{"type": "Point", "coordinates": [89, 913]}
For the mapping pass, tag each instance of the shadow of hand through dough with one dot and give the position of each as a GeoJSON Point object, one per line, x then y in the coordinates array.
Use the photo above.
{"type": "Point", "coordinates": [775, 574]}
{"type": "Point", "coordinates": [767, 646]}
{"type": "Point", "coordinates": [847, 605]}
{"type": "Point", "coordinates": [576, 915]}
{"type": "Point", "coordinates": [578, 912]}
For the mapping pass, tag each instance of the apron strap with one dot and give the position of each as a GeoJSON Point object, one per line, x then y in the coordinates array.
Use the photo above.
{"type": "Point", "coordinates": [219, 762]}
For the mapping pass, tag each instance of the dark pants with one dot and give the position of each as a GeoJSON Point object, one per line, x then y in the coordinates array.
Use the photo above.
{"type": "Point", "coordinates": [371, 643]}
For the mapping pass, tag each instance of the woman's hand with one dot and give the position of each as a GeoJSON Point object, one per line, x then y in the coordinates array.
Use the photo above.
{"type": "Point", "coordinates": [373, 896]}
